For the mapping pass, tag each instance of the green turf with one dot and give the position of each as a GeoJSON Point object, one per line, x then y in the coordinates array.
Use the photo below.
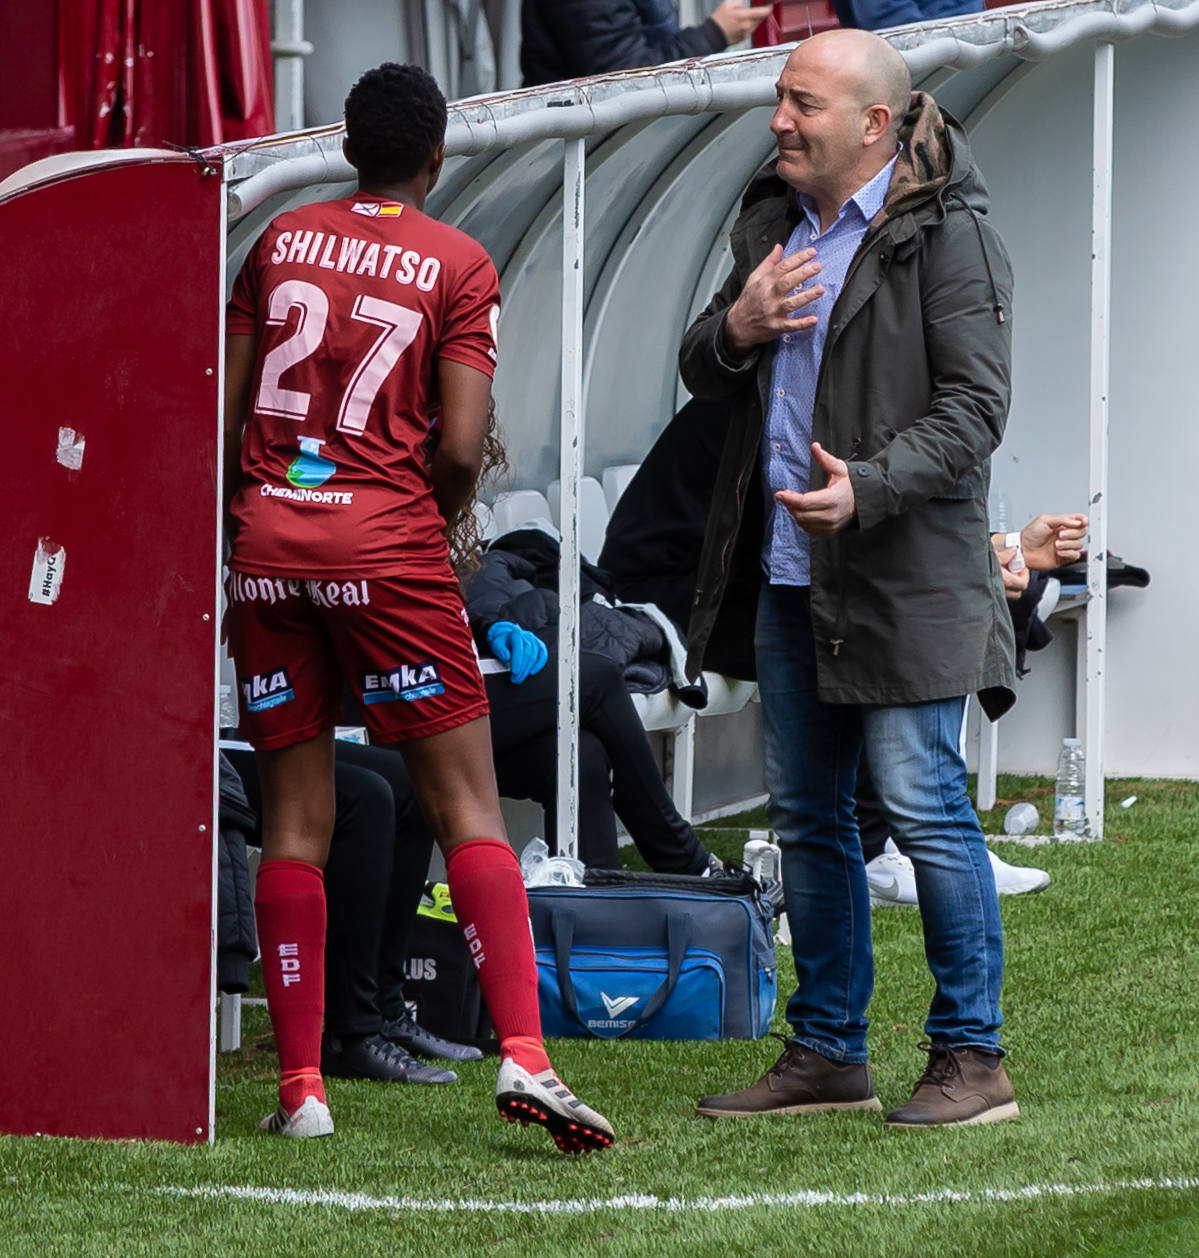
{"type": "Point", "coordinates": [1101, 1021]}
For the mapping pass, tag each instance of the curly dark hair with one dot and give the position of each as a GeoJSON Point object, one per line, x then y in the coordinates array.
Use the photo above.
{"type": "Point", "coordinates": [463, 534]}
{"type": "Point", "coordinates": [395, 118]}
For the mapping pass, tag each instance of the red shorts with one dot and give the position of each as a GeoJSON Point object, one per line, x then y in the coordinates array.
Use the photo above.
{"type": "Point", "coordinates": [402, 644]}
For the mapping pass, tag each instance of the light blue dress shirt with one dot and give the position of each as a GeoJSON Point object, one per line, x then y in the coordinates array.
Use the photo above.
{"type": "Point", "coordinates": [787, 433]}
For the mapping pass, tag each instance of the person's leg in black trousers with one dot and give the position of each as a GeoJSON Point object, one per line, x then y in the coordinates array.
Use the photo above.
{"type": "Point", "coordinates": [411, 845]}
{"type": "Point", "coordinates": [523, 723]}
{"type": "Point", "coordinates": [356, 881]}
{"type": "Point", "coordinates": [527, 768]}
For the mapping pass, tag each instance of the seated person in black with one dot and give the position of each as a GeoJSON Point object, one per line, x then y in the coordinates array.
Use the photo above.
{"type": "Point", "coordinates": [513, 604]}
{"type": "Point", "coordinates": [618, 775]}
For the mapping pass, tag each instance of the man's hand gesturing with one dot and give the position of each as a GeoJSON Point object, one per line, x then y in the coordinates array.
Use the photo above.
{"type": "Point", "coordinates": [763, 311]}
{"type": "Point", "coordinates": [826, 510]}
{"type": "Point", "coordinates": [1051, 540]}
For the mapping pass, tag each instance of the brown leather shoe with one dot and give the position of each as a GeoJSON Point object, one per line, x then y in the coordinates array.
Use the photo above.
{"type": "Point", "coordinates": [800, 1082]}
{"type": "Point", "coordinates": [959, 1085]}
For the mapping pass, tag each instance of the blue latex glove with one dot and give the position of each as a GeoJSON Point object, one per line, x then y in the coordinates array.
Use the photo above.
{"type": "Point", "coordinates": [523, 651]}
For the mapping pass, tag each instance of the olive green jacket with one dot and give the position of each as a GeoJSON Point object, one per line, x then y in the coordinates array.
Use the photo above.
{"type": "Point", "coordinates": [913, 391]}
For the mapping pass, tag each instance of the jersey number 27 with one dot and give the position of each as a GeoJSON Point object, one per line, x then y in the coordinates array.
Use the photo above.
{"type": "Point", "coordinates": [398, 324]}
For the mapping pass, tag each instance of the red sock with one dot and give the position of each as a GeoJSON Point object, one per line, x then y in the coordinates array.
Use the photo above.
{"type": "Point", "coordinates": [489, 901]}
{"type": "Point", "coordinates": [289, 903]}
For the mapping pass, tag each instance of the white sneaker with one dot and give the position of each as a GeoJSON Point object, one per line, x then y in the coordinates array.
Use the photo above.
{"type": "Point", "coordinates": [1017, 879]}
{"type": "Point", "coordinates": [893, 880]}
{"type": "Point", "coordinates": [1050, 597]}
{"type": "Point", "coordinates": [544, 1099]}
{"type": "Point", "coordinates": [891, 877]}
{"type": "Point", "coordinates": [311, 1119]}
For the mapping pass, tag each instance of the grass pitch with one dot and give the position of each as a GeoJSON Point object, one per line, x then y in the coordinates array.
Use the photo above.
{"type": "Point", "coordinates": [1099, 999]}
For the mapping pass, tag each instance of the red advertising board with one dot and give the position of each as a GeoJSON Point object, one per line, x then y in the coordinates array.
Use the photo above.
{"type": "Point", "coordinates": [111, 283]}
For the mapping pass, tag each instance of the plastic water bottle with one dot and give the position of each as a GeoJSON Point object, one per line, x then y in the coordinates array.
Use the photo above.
{"type": "Point", "coordinates": [1021, 819]}
{"type": "Point", "coordinates": [1069, 815]}
{"type": "Point", "coordinates": [539, 869]}
{"type": "Point", "coordinates": [1000, 510]}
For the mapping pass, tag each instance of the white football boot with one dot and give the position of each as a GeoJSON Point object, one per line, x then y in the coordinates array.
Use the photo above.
{"type": "Point", "coordinates": [311, 1119]}
{"type": "Point", "coordinates": [544, 1099]}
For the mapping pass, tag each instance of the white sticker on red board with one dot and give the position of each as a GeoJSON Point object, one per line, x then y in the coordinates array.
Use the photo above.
{"type": "Point", "coordinates": [70, 448]}
{"type": "Point", "coordinates": [49, 562]}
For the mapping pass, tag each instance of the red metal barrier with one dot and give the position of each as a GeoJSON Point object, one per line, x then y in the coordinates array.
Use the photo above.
{"type": "Point", "coordinates": [109, 511]}
{"type": "Point", "coordinates": [791, 20]}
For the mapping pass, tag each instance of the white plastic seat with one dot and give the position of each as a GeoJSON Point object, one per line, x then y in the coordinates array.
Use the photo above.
{"type": "Point", "coordinates": [661, 711]}
{"type": "Point", "coordinates": [615, 481]}
{"type": "Point", "coordinates": [727, 694]}
{"type": "Point", "coordinates": [485, 520]}
{"type": "Point", "coordinates": [593, 514]}
{"type": "Point", "coordinates": [516, 509]}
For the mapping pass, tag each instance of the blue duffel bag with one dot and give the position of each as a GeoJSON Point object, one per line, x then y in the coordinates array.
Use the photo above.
{"type": "Point", "coordinates": [655, 956]}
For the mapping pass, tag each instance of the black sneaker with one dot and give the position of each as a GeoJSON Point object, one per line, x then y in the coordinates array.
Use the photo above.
{"type": "Point", "coordinates": [373, 1057]}
{"type": "Point", "coordinates": [414, 1038]}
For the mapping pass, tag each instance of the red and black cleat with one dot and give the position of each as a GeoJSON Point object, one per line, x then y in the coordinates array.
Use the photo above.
{"type": "Point", "coordinates": [546, 1101]}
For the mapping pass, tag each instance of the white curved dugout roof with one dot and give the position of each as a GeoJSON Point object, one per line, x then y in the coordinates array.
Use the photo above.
{"type": "Point", "coordinates": [668, 152]}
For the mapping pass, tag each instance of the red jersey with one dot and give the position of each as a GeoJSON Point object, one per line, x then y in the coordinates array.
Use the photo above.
{"type": "Point", "coordinates": [353, 302]}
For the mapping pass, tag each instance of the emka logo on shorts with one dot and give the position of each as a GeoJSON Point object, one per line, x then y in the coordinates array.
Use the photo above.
{"type": "Point", "coordinates": [409, 682]}
{"type": "Point", "coordinates": [267, 690]}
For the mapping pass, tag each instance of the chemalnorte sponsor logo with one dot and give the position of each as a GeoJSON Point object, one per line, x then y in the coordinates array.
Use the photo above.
{"type": "Point", "coordinates": [301, 494]}
{"type": "Point", "coordinates": [409, 682]}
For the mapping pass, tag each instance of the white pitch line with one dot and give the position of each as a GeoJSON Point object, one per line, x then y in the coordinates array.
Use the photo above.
{"type": "Point", "coordinates": [670, 1205]}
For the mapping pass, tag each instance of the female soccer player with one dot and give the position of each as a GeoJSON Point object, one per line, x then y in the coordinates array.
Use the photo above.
{"type": "Point", "coordinates": [355, 328]}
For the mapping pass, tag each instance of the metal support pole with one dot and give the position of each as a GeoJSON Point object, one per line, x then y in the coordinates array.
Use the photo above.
{"type": "Point", "coordinates": [289, 48]}
{"type": "Point", "coordinates": [988, 761]}
{"type": "Point", "coordinates": [438, 60]}
{"type": "Point", "coordinates": [1095, 620]}
{"type": "Point", "coordinates": [230, 1023]}
{"type": "Point", "coordinates": [570, 470]}
{"type": "Point", "coordinates": [681, 745]}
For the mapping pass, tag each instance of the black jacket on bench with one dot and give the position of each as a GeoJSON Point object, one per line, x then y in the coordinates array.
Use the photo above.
{"type": "Point", "coordinates": [237, 943]}
{"type": "Point", "coordinates": [652, 547]}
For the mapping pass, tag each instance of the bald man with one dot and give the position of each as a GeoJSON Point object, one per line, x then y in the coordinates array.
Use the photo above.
{"type": "Point", "coordinates": [861, 347]}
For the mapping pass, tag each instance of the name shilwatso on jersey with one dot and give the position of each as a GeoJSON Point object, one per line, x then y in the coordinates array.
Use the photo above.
{"type": "Point", "coordinates": [355, 256]}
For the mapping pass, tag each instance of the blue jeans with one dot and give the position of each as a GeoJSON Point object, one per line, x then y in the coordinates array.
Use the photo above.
{"type": "Point", "coordinates": [812, 754]}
